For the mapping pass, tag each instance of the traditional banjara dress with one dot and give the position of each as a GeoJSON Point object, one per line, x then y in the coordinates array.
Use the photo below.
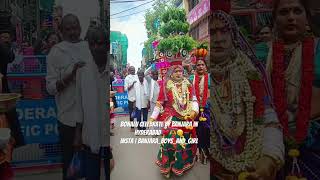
{"type": "Point", "coordinates": [201, 86]}
{"type": "Point", "coordinates": [175, 102]}
{"type": "Point", "coordinates": [244, 127]}
{"type": "Point", "coordinates": [295, 75]}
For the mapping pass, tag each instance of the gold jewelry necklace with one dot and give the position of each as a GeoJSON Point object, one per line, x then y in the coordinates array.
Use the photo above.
{"type": "Point", "coordinates": [233, 162]}
{"type": "Point", "coordinates": [181, 100]}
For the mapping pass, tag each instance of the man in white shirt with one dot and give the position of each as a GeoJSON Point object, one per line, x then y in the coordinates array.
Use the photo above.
{"type": "Point", "coordinates": [63, 63]}
{"type": "Point", "coordinates": [142, 99]}
{"type": "Point", "coordinates": [129, 83]}
{"type": "Point", "coordinates": [154, 89]}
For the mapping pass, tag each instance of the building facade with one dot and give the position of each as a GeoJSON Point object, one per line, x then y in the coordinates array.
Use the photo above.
{"type": "Point", "coordinates": [118, 50]}
{"type": "Point", "coordinates": [198, 12]}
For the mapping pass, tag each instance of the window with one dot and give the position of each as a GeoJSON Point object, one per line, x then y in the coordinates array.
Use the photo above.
{"type": "Point", "coordinates": [264, 18]}
{"type": "Point", "coordinates": [193, 4]}
{"type": "Point", "coordinates": [194, 32]}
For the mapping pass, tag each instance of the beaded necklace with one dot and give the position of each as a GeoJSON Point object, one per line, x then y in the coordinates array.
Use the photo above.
{"type": "Point", "coordinates": [181, 98]}
{"type": "Point", "coordinates": [224, 146]}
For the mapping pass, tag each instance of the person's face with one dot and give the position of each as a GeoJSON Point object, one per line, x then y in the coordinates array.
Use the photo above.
{"type": "Point", "coordinates": [265, 34]}
{"type": "Point", "coordinates": [222, 41]}
{"type": "Point", "coordinates": [291, 19]}
{"type": "Point", "coordinates": [132, 70]}
{"type": "Point", "coordinates": [71, 31]}
{"type": "Point", "coordinates": [99, 52]}
{"type": "Point", "coordinates": [155, 75]}
{"type": "Point", "coordinates": [314, 8]}
{"type": "Point", "coordinates": [177, 74]}
{"type": "Point", "coordinates": [201, 67]}
{"type": "Point", "coordinates": [141, 77]}
{"type": "Point", "coordinates": [53, 39]}
{"type": "Point", "coordinates": [5, 38]}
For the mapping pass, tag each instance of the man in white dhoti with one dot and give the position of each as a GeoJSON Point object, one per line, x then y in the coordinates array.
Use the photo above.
{"type": "Point", "coordinates": [63, 63]}
{"type": "Point", "coordinates": [129, 83]}
{"type": "Point", "coordinates": [142, 99]}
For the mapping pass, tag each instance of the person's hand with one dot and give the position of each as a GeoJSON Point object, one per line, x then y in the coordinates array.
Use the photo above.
{"type": "Point", "coordinates": [191, 116]}
{"type": "Point", "coordinates": [77, 142]}
{"type": "Point", "coordinates": [131, 86]}
{"type": "Point", "coordinates": [77, 66]}
{"type": "Point", "coordinates": [71, 77]}
{"type": "Point", "coordinates": [265, 169]}
{"type": "Point", "coordinates": [112, 164]}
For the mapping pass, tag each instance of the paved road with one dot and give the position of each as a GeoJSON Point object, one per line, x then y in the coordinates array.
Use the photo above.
{"type": "Point", "coordinates": [137, 161]}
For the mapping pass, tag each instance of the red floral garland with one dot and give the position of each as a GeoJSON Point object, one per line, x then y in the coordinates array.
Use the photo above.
{"type": "Point", "coordinates": [205, 89]}
{"type": "Point", "coordinates": [279, 89]}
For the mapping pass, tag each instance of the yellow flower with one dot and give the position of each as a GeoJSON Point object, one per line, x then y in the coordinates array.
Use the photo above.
{"type": "Point", "coordinates": [180, 132]}
{"type": "Point", "coordinates": [189, 127]}
{"type": "Point", "coordinates": [243, 176]}
{"type": "Point", "coordinates": [186, 117]}
{"type": "Point", "coordinates": [294, 153]}
{"type": "Point", "coordinates": [201, 110]}
{"type": "Point", "coordinates": [202, 119]}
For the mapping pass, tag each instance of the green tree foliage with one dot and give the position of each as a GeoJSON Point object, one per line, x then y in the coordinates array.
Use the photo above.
{"type": "Point", "coordinates": [176, 43]}
{"type": "Point", "coordinates": [174, 29]}
{"type": "Point", "coordinates": [152, 23]}
{"type": "Point", "coordinates": [169, 25]}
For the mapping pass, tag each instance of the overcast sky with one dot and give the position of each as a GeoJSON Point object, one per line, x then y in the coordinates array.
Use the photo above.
{"type": "Point", "coordinates": [133, 26]}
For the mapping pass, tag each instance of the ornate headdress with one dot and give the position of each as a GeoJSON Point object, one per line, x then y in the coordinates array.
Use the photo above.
{"type": "Point", "coordinates": [162, 62]}
{"type": "Point", "coordinates": [178, 58]}
{"type": "Point", "coordinates": [201, 52]}
{"type": "Point", "coordinates": [243, 45]}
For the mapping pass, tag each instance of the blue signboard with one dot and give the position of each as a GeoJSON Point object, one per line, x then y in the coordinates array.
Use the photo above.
{"type": "Point", "coordinates": [122, 101]}
{"type": "Point", "coordinates": [38, 120]}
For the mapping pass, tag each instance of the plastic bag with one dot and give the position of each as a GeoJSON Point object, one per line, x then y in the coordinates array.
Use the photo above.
{"type": "Point", "coordinates": [77, 167]}
{"type": "Point", "coordinates": [134, 114]}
